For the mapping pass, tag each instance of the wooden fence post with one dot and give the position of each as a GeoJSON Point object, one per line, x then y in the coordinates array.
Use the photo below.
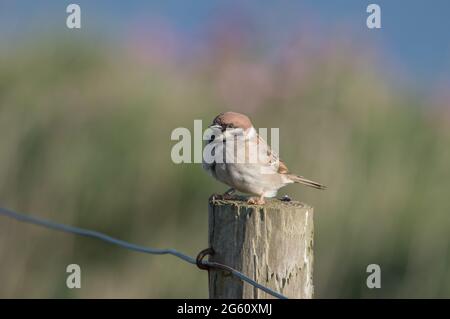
{"type": "Point", "coordinates": [272, 244]}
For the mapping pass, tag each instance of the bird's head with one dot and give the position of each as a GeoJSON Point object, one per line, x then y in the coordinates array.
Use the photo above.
{"type": "Point", "coordinates": [230, 124]}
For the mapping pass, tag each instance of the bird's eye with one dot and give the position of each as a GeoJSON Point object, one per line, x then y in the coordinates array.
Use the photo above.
{"type": "Point", "coordinates": [230, 126]}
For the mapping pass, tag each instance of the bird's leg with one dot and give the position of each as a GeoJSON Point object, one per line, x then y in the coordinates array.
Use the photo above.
{"type": "Point", "coordinates": [228, 195]}
{"type": "Point", "coordinates": [256, 200]}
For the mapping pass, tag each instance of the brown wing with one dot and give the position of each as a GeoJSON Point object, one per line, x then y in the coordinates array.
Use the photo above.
{"type": "Point", "coordinates": [282, 168]}
{"type": "Point", "coordinates": [273, 158]}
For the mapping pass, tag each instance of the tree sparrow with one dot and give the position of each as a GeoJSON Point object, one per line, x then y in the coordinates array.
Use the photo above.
{"type": "Point", "coordinates": [241, 159]}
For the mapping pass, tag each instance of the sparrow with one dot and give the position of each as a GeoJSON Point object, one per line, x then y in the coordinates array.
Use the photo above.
{"type": "Point", "coordinates": [258, 171]}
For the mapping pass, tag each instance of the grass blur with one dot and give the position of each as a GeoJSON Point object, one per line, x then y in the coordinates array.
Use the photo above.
{"type": "Point", "coordinates": [86, 141]}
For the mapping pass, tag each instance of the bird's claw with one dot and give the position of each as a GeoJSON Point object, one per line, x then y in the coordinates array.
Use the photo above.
{"type": "Point", "coordinates": [228, 196]}
{"type": "Point", "coordinates": [215, 197]}
{"type": "Point", "coordinates": [256, 201]}
{"type": "Point", "coordinates": [225, 196]}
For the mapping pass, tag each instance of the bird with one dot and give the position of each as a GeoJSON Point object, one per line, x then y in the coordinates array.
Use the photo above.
{"type": "Point", "coordinates": [233, 134]}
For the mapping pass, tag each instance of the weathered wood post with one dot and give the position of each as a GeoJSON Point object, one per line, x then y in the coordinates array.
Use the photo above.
{"type": "Point", "coordinates": [272, 244]}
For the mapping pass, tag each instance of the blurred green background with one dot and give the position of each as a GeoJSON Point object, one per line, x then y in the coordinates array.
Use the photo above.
{"type": "Point", "coordinates": [85, 140]}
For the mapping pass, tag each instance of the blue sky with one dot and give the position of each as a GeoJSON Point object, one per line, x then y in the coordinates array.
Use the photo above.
{"type": "Point", "coordinates": [415, 34]}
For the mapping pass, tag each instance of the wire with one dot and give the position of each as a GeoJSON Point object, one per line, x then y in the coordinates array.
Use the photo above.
{"type": "Point", "coordinates": [124, 244]}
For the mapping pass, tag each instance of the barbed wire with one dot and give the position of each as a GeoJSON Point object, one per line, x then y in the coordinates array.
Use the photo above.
{"type": "Point", "coordinates": [203, 264]}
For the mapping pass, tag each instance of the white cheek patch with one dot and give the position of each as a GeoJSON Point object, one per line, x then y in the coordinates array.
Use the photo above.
{"type": "Point", "coordinates": [219, 137]}
{"type": "Point", "coordinates": [233, 133]}
{"type": "Point", "coordinates": [251, 133]}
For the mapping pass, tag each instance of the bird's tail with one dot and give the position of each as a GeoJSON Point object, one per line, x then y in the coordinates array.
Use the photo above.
{"type": "Point", "coordinates": [307, 182]}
